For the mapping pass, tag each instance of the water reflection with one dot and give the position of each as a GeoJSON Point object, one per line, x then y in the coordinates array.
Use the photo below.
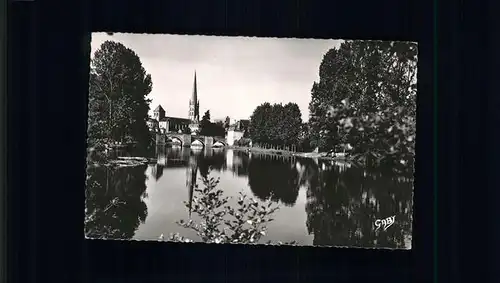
{"type": "Point", "coordinates": [343, 205]}
{"type": "Point", "coordinates": [274, 178]}
{"type": "Point", "coordinates": [114, 202]}
{"type": "Point", "coordinates": [339, 203]}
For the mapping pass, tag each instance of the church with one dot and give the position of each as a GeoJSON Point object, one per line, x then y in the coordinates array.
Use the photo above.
{"type": "Point", "coordinates": [165, 124]}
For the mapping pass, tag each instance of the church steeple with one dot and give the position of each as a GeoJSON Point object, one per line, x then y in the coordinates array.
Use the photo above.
{"type": "Point", "coordinates": [194, 104]}
{"type": "Point", "coordinates": [194, 98]}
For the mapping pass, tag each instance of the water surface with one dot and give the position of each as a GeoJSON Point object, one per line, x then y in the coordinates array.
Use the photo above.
{"type": "Point", "coordinates": [322, 203]}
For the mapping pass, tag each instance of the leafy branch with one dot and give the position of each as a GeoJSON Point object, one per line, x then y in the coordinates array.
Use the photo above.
{"type": "Point", "coordinates": [220, 222]}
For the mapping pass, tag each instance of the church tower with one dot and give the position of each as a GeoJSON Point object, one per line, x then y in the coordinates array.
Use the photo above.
{"type": "Point", "coordinates": [194, 104]}
{"type": "Point", "coordinates": [159, 113]}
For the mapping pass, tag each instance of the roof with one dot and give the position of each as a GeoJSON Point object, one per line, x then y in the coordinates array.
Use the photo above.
{"type": "Point", "coordinates": [181, 120]}
{"type": "Point", "coordinates": [159, 108]}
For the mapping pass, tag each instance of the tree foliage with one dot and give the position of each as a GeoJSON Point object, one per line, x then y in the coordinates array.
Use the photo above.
{"type": "Point", "coordinates": [275, 124]}
{"type": "Point", "coordinates": [223, 222]}
{"type": "Point", "coordinates": [118, 89]}
{"type": "Point", "coordinates": [227, 122]}
{"type": "Point", "coordinates": [205, 124]}
{"type": "Point", "coordinates": [186, 130]}
{"type": "Point", "coordinates": [366, 98]}
{"type": "Point", "coordinates": [207, 128]}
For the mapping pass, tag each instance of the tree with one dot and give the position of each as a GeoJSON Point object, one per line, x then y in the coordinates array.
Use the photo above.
{"type": "Point", "coordinates": [259, 128]}
{"type": "Point", "coordinates": [246, 134]}
{"type": "Point", "coordinates": [186, 130]}
{"type": "Point", "coordinates": [118, 89]}
{"type": "Point", "coordinates": [366, 97]}
{"type": "Point", "coordinates": [304, 143]}
{"type": "Point", "coordinates": [206, 116]}
{"type": "Point", "coordinates": [205, 124]}
{"type": "Point", "coordinates": [210, 129]}
{"type": "Point", "coordinates": [275, 124]}
{"type": "Point", "coordinates": [227, 122]}
{"type": "Point", "coordinates": [217, 130]}
{"type": "Point", "coordinates": [291, 124]}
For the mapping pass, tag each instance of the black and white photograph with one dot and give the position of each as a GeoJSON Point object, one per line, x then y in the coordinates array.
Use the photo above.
{"type": "Point", "coordinates": [248, 140]}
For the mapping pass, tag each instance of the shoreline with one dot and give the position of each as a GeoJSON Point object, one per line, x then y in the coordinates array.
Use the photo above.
{"type": "Point", "coordinates": [137, 161]}
{"type": "Point", "coordinates": [279, 152]}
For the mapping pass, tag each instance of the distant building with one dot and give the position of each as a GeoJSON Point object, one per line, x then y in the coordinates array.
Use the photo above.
{"type": "Point", "coordinates": [194, 109]}
{"type": "Point", "coordinates": [236, 131]}
{"type": "Point", "coordinates": [158, 113]}
{"type": "Point", "coordinates": [174, 124]}
{"type": "Point", "coordinates": [153, 125]}
{"type": "Point", "coordinates": [167, 124]}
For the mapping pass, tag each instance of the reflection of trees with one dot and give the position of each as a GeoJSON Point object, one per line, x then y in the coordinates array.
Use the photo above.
{"type": "Point", "coordinates": [214, 161]}
{"type": "Point", "coordinates": [343, 206]}
{"type": "Point", "coordinates": [158, 171]}
{"type": "Point", "coordinates": [271, 177]}
{"type": "Point", "coordinates": [218, 159]}
{"type": "Point", "coordinates": [114, 205]}
{"type": "Point", "coordinates": [241, 160]}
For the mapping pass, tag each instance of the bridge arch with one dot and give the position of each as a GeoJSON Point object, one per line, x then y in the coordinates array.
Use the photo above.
{"type": "Point", "coordinates": [221, 140]}
{"type": "Point", "coordinates": [200, 140]}
{"type": "Point", "coordinates": [175, 138]}
{"type": "Point", "coordinates": [223, 143]}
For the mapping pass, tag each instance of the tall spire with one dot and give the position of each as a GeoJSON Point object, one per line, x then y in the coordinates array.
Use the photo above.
{"type": "Point", "coordinates": [194, 98]}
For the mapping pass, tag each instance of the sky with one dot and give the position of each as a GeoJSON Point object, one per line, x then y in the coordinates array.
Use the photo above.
{"type": "Point", "coordinates": [234, 74]}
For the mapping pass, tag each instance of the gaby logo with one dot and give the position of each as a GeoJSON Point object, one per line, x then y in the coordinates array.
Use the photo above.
{"type": "Point", "coordinates": [385, 223]}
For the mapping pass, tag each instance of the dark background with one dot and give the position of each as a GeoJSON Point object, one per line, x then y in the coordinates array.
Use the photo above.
{"type": "Point", "coordinates": [48, 52]}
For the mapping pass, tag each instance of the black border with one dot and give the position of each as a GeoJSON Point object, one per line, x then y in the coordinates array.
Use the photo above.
{"type": "Point", "coordinates": [49, 48]}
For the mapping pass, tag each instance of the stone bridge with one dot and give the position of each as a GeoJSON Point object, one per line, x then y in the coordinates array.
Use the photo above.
{"type": "Point", "coordinates": [186, 140]}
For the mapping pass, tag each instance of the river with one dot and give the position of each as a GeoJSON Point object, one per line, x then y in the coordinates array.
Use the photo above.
{"type": "Point", "coordinates": [321, 203]}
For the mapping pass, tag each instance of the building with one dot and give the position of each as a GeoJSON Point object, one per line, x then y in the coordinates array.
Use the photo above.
{"type": "Point", "coordinates": [169, 124]}
{"type": "Point", "coordinates": [236, 131]}
{"type": "Point", "coordinates": [174, 124]}
{"type": "Point", "coordinates": [194, 109]}
{"type": "Point", "coordinates": [158, 113]}
{"type": "Point", "coordinates": [153, 125]}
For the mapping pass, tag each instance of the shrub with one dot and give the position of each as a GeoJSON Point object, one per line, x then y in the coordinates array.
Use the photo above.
{"type": "Point", "coordinates": [221, 223]}
{"type": "Point", "coordinates": [243, 142]}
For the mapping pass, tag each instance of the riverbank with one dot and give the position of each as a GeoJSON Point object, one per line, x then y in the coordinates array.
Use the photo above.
{"type": "Point", "coordinates": [130, 161]}
{"type": "Point", "coordinates": [317, 155]}
{"type": "Point", "coordinates": [123, 161]}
